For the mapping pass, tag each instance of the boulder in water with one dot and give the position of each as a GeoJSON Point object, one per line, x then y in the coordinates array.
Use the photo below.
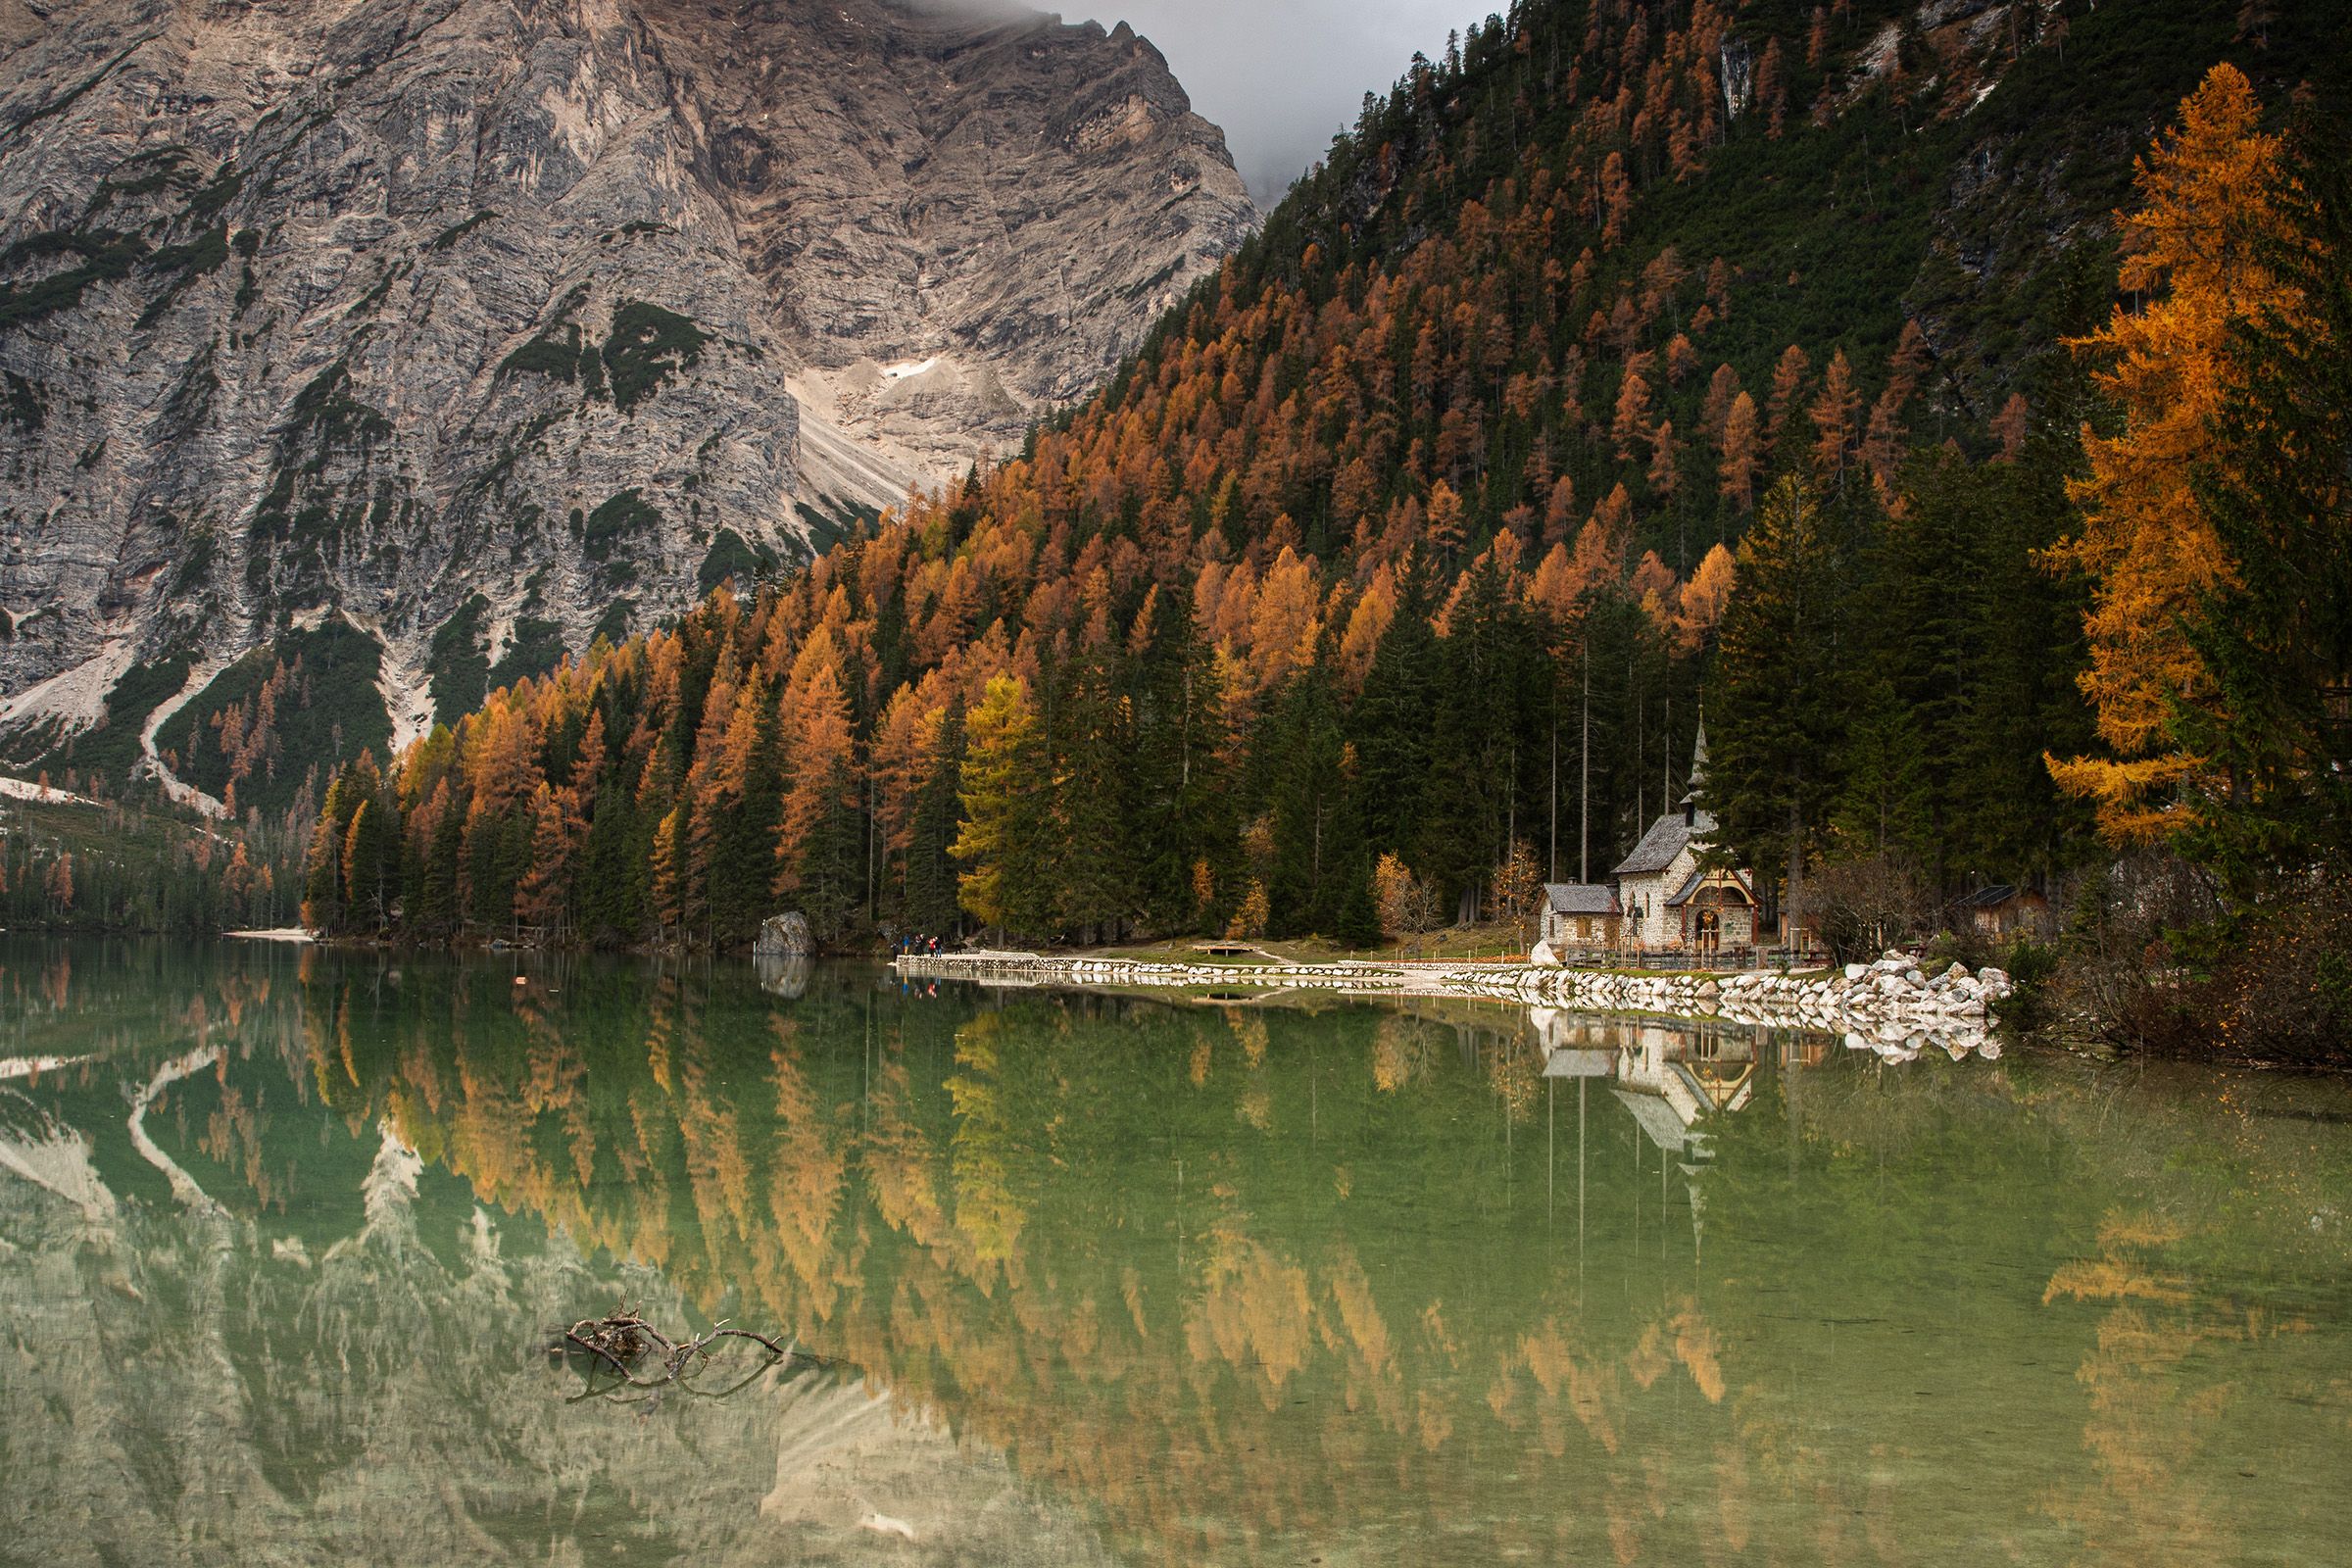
{"type": "Point", "coordinates": [784, 936]}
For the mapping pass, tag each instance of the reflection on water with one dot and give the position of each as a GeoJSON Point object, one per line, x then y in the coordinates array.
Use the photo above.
{"type": "Point", "coordinates": [282, 1237]}
{"type": "Point", "coordinates": [785, 975]}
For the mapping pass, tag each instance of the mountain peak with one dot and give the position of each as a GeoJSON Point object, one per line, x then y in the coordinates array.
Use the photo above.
{"type": "Point", "coordinates": [394, 307]}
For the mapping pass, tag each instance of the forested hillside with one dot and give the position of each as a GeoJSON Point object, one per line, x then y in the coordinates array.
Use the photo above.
{"type": "Point", "coordinates": [1628, 359]}
{"type": "Point", "coordinates": [79, 863]}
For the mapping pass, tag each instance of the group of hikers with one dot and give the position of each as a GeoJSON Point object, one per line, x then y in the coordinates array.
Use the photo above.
{"type": "Point", "coordinates": [919, 945]}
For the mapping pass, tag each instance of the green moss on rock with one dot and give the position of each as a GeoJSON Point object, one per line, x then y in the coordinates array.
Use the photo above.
{"type": "Point", "coordinates": [648, 346]}
{"type": "Point", "coordinates": [611, 525]}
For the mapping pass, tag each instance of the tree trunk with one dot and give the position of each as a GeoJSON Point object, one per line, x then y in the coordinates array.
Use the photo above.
{"type": "Point", "coordinates": [1789, 927]}
{"type": "Point", "coordinates": [1584, 769]}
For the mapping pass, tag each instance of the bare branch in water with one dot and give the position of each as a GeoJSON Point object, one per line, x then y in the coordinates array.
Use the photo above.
{"type": "Point", "coordinates": [622, 1340]}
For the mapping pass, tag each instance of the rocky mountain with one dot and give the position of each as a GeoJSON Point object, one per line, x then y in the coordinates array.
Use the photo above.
{"type": "Point", "coordinates": [459, 331]}
{"type": "Point", "coordinates": [1394, 571]}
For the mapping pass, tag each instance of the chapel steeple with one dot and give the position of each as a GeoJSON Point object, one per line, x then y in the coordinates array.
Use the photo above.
{"type": "Point", "coordinates": [1698, 774]}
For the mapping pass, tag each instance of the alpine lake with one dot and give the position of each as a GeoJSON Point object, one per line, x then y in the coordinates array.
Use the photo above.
{"type": "Point", "coordinates": [286, 1236]}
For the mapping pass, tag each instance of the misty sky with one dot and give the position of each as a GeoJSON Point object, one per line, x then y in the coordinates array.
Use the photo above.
{"type": "Point", "coordinates": [1282, 76]}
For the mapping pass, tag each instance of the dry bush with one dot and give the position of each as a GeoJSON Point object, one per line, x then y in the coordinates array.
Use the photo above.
{"type": "Point", "coordinates": [2281, 986]}
{"type": "Point", "coordinates": [2121, 978]}
{"type": "Point", "coordinates": [1863, 907]}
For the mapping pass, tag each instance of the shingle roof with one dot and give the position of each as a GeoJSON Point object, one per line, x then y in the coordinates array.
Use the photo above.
{"type": "Point", "coordinates": [1581, 898]}
{"type": "Point", "coordinates": [1988, 897]}
{"type": "Point", "coordinates": [1657, 1119]}
{"type": "Point", "coordinates": [1658, 846]}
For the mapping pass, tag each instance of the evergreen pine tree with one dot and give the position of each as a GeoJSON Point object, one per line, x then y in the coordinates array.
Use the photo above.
{"type": "Point", "coordinates": [1390, 722]}
{"type": "Point", "coordinates": [1095, 889]}
{"type": "Point", "coordinates": [1181, 795]}
{"type": "Point", "coordinates": [1317, 842]}
{"type": "Point", "coordinates": [323, 902]}
{"type": "Point", "coordinates": [1776, 707]}
{"type": "Point", "coordinates": [445, 851]}
{"type": "Point", "coordinates": [1357, 924]}
{"type": "Point", "coordinates": [371, 865]}
{"type": "Point", "coordinates": [2277, 635]}
{"type": "Point", "coordinates": [931, 904]}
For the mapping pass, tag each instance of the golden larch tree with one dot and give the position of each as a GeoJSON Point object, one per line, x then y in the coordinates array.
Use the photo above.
{"type": "Point", "coordinates": [2194, 259]}
{"type": "Point", "coordinates": [1833, 414]}
{"type": "Point", "coordinates": [1741, 457]}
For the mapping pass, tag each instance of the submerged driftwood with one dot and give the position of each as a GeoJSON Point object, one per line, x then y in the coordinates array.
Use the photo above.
{"type": "Point", "coordinates": [622, 1341]}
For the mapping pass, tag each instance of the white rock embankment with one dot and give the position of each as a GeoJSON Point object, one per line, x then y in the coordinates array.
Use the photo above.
{"type": "Point", "coordinates": [1891, 1007]}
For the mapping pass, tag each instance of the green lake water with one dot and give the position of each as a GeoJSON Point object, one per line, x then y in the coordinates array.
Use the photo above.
{"type": "Point", "coordinates": [285, 1233]}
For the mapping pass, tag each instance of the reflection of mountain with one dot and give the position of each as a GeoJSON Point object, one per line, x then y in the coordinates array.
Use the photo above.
{"type": "Point", "coordinates": [198, 1394]}
{"type": "Point", "coordinates": [362, 1381]}
{"type": "Point", "coordinates": [1223, 1283]}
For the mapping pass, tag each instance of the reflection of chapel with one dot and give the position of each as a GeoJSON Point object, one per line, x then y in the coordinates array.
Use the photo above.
{"type": "Point", "coordinates": [1677, 1079]}
{"type": "Point", "coordinates": [1669, 899]}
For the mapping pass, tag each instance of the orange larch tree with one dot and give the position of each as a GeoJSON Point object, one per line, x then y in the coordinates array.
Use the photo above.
{"type": "Point", "coordinates": [1787, 387]}
{"type": "Point", "coordinates": [1833, 414]}
{"type": "Point", "coordinates": [1740, 459]}
{"type": "Point", "coordinates": [2193, 255]}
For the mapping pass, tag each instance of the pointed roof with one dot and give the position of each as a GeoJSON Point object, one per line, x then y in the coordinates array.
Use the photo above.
{"type": "Point", "coordinates": [1737, 882]}
{"type": "Point", "coordinates": [1699, 764]}
{"type": "Point", "coordinates": [1689, 823]}
{"type": "Point", "coordinates": [1657, 1119]}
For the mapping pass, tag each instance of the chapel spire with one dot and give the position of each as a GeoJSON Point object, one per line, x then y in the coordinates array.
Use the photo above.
{"type": "Point", "coordinates": [1698, 772]}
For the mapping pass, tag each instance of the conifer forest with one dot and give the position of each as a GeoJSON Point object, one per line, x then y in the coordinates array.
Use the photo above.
{"type": "Point", "coordinates": [861, 782]}
{"type": "Point", "coordinates": [1573, 400]}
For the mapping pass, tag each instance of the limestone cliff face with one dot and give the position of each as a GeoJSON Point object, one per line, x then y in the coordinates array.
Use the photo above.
{"type": "Point", "coordinates": [574, 306]}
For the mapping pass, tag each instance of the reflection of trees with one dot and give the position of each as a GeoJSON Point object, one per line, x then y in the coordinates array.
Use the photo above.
{"type": "Point", "coordinates": [203, 1371]}
{"type": "Point", "coordinates": [989, 1209]}
{"type": "Point", "coordinates": [808, 1174]}
{"type": "Point", "coordinates": [2113, 1201]}
{"type": "Point", "coordinates": [1243, 1277]}
{"type": "Point", "coordinates": [1251, 1311]}
{"type": "Point", "coordinates": [986, 1142]}
{"type": "Point", "coordinates": [2204, 1394]}
{"type": "Point", "coordinates": [2148, 1421]}
{"type": "Point", "coordinates": [1400, 1051]}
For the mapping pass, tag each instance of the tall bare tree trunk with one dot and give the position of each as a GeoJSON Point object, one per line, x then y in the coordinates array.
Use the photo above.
{"type": "Point", "coordinates": [1584, 768]}
{"type": "Point", "coordinates": [1552, 856]}
{"type": "Point", "coordinates": [1794, 902]}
